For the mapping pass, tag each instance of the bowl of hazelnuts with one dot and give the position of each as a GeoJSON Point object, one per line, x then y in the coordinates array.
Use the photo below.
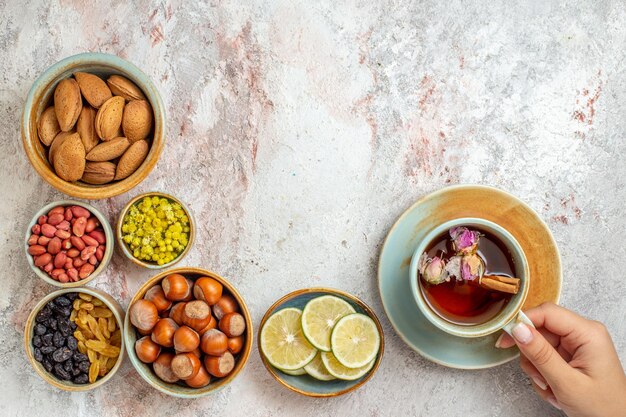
{"type": "Point", "coordinates": [188, 332]}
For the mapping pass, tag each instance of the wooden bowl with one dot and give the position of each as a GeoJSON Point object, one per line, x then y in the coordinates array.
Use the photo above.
{"type": "Point", "coordinates": [305, 384]}
{"type": "Point", "coordinates": [108, 253]}
{"type": "Point", "coordinates": [118, 313]}
{"type": "Point", "coordinates": [124, 247]}
{"type": "Point", "coordinates": [40, 97]}
{"type": "Point", "coordinates": [176, 389]}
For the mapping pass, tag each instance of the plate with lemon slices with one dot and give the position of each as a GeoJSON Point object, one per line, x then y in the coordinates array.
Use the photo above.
{"type": "Point", "coordinates": [321, 342]}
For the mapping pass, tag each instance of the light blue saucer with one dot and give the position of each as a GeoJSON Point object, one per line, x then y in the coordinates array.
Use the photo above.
{"type": "Point", "coordinates": [415, 223]}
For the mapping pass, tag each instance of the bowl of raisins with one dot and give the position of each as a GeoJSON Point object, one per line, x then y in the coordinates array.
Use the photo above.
{"type": "Point", "coordinates": [73, 338]}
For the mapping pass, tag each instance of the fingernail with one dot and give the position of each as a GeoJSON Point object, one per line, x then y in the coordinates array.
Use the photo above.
{"type": "Point", "coordinates": [539, 382]}
{"type": "Point", "coordinates": [521, 332]}
{"type": "Point", "coordinates": [499, 340]}
{"type": "Point", "coordinates": [552, 400]}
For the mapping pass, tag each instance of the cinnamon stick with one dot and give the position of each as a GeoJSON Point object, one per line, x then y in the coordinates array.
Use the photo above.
{"type": "Point", "coordinates": [500, 283]}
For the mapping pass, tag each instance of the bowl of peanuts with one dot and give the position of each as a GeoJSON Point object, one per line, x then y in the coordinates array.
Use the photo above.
{"type": "Point", "coordinates": [68, 243]}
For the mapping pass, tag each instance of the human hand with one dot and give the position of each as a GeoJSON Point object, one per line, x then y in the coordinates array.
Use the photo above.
{"type": "Point", "coordinates": [572, 362]}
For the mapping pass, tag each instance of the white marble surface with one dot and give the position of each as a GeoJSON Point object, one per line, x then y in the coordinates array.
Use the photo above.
{"type": "Point", "coordinates": [298, 131]}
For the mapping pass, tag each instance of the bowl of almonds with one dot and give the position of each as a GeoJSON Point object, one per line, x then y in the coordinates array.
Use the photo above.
{"type": "Point", "coordinates": [93, 126]}
{"type": "Point", "coordinates": [73, 338]}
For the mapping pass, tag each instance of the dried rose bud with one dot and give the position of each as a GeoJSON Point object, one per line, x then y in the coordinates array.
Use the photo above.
{"type": "Point", "coordinates": [453, 267]}
{"type": "Point", "coordinates": [471, 267]}
{"type": "Point", "coordinates": [464, 240]}
{"type": "Point", "coordinates": [432, 269]}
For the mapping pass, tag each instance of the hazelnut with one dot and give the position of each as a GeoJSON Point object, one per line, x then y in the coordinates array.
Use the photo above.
{"type": "Point", "coordinates": [147, 351]}
{"type": "Point", "coordinates": [185, 365]}
{"type": "Point", "coordinates": [207, 289]}
{"type": "Point", "coordinates": [219, 366]}
{"type": "Point", "coordinates": [143, 315]}
{"type": "Point", "coordinates": [176, 287]}
{"type": "Point", "coordinates": [233, 324]}
{"type": "Point", "coordinates": [163, 332]}
{"type": "Point", "coordinates": [226, 304]}
{"type": "Point", "coordinates": [163, 367]}
{"type": "Point", "coordinates": [214, 342]}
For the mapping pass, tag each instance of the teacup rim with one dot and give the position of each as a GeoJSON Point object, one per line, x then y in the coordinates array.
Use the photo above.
{"type": "Point", "coordinates": [460, 330]}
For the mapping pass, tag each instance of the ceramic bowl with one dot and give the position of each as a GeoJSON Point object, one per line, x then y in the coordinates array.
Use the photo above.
{"type": "Point", "coordinates": [508, 313]}
{"type": "Point", "coordinates": [126, 250]}
{"type": "Point", "coordinates": [305, 384]}
{"type": "Point", "coordinates": [118, 313]}
{"type": "Point", "coordinates": [179, 389]}
{"type": "Point", "coordinates": [40, 97]}
{"type": "Point", "coordinates": [108, 253]}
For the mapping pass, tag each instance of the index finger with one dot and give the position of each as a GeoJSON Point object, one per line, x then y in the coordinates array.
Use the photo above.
{"type": "Point", "coordinates": [556, 319]}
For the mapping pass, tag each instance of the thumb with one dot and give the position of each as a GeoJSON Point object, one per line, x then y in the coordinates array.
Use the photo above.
{"type": "Point", "coordinates": [542, 354]}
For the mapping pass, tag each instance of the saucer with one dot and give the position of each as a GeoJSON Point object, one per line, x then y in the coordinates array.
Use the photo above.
{"type": "Point", "coordinates": [305, 384]}
{"type": "Point", "coordinates": [414, 224]}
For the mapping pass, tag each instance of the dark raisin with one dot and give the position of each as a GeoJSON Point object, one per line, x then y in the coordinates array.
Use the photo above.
{"type": "Point", "coordinates": [58, 339]}
{"type": "Point", "coordinates": [72, 343]}
{"type": "Point", "coordinates": [73, 326]}
{"type": "Point", "coordinates": [40, 329]}
{"type": "Point", "coordinates": [47, 364]}
{"type": "Point", "coordinates": [62, 301]}
{"type": "Point", "coordinates": [46, 339]}
{"type": "Point", "coordinates": [84, 366]}
{"type": "Point", "coordinates": [75, 371]}
{"type": "Point", "coordinates": [68, 365]}
{"type": "Point", "coordinates": [79, 357]}
{"type": "Point", "coordinates": [53, 323]}
{"type": "Point", "coordinates": [72, 296]}
{"type": "Point", "coordinates": [43, 315]}
{"type": "Point", "coordinates": [46, 350]}
{"type": "Point", "coordinates": [61, 373]}
{"type": "Point", "coordinates": [37, 341]}
{"type": "Point", "coordinates": [38, 355]}
{"type": "Point", "coordinates": [64, 327]}
{"type": "Point", "coordinates": [61, 354]}
{"type": "Point", "coordinates": [62, 311]}
{"type": "Point", "coordinates": [81, 379]}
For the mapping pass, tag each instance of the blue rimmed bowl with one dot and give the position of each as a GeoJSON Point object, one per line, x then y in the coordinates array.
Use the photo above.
{"type": "Point", "coordinates": [40, 97]}
{"type": "Point", "coordinates": [305, 384]}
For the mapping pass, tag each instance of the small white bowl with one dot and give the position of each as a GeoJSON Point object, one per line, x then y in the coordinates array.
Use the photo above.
{"type": "Point", "coordinates": [108, 253]}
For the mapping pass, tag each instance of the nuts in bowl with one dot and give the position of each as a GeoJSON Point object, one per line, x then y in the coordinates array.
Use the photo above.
{"type": "Point", "coordinates": [93, 125]}
{"type": "Point", "coordinates": [155, 230]}
{"type": "Point", "coordinates": [73, 338]}
{"type": "Point", "coordinates": [68, 243]}
{"type": "Point", "coordinates": [188, 332]}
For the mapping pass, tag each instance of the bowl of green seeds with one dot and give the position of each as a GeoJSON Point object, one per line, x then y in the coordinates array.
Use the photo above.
{"type": "Point", "coordinates": [155, 230]}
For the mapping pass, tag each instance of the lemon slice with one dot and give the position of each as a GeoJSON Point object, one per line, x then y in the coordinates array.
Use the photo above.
{"type": "Point", "coordinates": [320, 316]}
{"type": "Point", "coordinates": [283, 343]}
{"type": "Point", "coordinates": [336, 369]}
{"type": "Point", "coordinates": [297, 372]}
{"type": "Point", "coordinates": [317, 370]}
{"type": "Point", "coordinates": [355, 340]}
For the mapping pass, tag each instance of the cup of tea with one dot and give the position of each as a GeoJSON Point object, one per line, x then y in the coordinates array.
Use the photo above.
{"type": "Point", "coordinates": [470, 278]}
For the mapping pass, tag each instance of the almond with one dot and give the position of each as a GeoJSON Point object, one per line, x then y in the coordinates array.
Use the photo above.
{"type": "Point", "coordinates": [69, 158]}
{"type": "Point", "coordinates": [48, 126]}
{"type": "Point", "coordinates": [121, 86]}
{"type": "Point", "coordinates": [58, 140]}
{"type": "Point", "coordinates": [137, 120]}
{"type": "Point", "coordinates": [67, 103]}
{"type": "Point", "coordinates": [86, 129]}
{"type": "Point", "coordinates": [108, 150]}
{"type": "Point", "coordinates": [98, 172]}
{"type": "Point", "coordinates": [94, 89]}
{"type": "Point", "coordinates": [132, 159]}
{"type": "Point", "coordinates": [109, 118]}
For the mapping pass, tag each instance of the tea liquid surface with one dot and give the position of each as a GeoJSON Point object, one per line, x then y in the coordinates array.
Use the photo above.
{"type": "Point", "coordinates": [463, 302]}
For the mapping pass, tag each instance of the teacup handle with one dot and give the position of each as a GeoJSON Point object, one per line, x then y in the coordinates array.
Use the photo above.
{"type": "Point", "coordinates": [520, 318]}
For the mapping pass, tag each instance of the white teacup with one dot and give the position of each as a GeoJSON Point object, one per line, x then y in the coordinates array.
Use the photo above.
{"type": "Point", "coordinates": [510, 315]}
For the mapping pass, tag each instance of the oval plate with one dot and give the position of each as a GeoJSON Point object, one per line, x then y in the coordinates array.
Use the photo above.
{"type": "Point", "coordinates": [414, 224]}
{"type": "Point", "coordinates": [305, 384]}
